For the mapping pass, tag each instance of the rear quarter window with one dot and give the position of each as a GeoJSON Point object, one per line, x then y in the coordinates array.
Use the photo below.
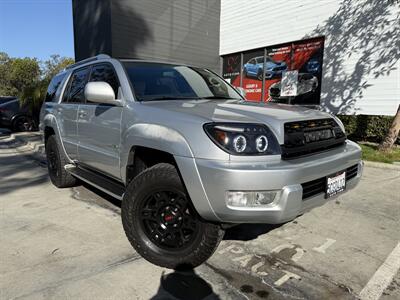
{"type": "Point", "coordinates": [53, 87]}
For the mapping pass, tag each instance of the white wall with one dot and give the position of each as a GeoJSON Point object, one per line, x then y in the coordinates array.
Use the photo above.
{"type": "Point", "coordinates": [361, 71]}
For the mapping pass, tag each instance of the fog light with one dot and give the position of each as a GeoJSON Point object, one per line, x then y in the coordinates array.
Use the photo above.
{"type": "Point", "coordinates": [250, 199]}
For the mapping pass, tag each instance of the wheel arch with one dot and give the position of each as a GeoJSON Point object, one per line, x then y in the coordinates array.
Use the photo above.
{"type": "Point", "coordinates": [152, 136]}
{"type": "Point", "coordinates": [50, 126]}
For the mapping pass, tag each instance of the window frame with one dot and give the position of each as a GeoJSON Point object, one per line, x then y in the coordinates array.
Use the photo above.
{"type": "Point", "coordinates": [90, 76]}
{"type": "Point", "coordinates": [59, 86]}
{"type": "Point", "coordinates": [68, 85]}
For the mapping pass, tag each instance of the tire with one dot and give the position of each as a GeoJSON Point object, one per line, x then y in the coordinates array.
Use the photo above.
{"type": "Point", "coordinates": [156, 198]}
{"type": "Point", "coordinates": [23, 123]}
{"type": "Point", "coordinates": [55, 164]}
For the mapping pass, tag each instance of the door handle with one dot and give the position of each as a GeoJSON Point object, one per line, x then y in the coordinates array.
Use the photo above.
{"type": "Point", "coordinates": [82, 114]}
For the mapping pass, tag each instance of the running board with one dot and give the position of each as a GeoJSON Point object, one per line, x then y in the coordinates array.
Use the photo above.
{"type": "Point", "coordinates": [99, 181]}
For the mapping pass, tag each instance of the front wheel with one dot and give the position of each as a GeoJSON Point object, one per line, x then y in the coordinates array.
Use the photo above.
{"type": "Point", "coordinates": [161, 222]}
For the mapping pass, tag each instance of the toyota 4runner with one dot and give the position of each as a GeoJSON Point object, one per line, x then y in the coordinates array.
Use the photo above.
{"type": "Point", "coordinates": [187, 155]}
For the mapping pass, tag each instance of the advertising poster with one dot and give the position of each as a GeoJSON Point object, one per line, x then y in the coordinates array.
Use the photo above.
{"type": "Point", "coordinates": [278, 62]}
{"type": "Point", "coordinates": [231, 69]}
{"type": "Point", "coordinates": [252, 72]}
{"type": "Point", "coordinates": [305, 57]}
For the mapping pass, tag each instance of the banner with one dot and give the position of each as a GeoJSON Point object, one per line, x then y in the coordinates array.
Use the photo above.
{"type": "Point", "coordinates": [304, 57]}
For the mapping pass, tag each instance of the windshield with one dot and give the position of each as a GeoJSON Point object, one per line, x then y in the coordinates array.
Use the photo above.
{"type": "Point", "coordinates": [158, 81]}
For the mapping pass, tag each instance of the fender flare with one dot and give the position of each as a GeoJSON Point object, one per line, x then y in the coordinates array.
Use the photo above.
{"type": "Point", "coordinates": [152, 136]}
{"type": "Point", "coordinates": [50, 120]}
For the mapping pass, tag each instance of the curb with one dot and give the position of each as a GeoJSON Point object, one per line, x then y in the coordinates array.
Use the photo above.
{"type": "Point", "coordinates": [378, 165]}
{"type": "Point", "coordinates": [30, 142]}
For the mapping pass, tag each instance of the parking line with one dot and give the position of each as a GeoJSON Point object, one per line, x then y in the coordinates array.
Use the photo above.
{"type": "Point", "coordinates": [382, 277]}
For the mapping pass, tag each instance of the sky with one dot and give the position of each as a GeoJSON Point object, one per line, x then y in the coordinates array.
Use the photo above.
{"type": "Point", "coordinates": [36, 28]}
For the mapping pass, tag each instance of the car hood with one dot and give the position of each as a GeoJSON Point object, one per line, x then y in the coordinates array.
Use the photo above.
{"type": "Point", "coordinates": [272, 114]}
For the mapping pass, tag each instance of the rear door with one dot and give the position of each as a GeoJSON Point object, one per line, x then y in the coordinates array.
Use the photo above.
{"type": "Point", "coordinates": [99, 127]}
{"type": "Point", "coordinates": [68, 110]}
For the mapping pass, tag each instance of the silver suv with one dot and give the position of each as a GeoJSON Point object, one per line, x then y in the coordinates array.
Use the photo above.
{"type": "Point", "coordinates": [187, 155]}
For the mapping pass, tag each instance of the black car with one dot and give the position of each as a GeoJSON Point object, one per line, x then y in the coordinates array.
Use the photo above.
{"type": "Point", "coordinates": [15, 116]}
{"type": "Point", "coordinates": [4, 99]}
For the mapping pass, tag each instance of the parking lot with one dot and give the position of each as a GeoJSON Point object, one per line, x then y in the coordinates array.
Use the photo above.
{"type": "Point", "coordinates": [69, 243]}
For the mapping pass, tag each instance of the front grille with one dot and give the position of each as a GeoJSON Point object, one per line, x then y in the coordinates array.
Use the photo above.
{"type": "Point", "coordinates": [311, 136]}
{"type": "Point", "coordinates": [317, 186]}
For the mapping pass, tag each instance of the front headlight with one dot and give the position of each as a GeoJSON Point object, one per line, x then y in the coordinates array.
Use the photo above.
{"type": "Point", "coordinates": [243, 138]}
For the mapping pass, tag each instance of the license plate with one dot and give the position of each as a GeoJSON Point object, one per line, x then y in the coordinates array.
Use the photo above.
{"type": "Point", "coordinates": [335, 184]}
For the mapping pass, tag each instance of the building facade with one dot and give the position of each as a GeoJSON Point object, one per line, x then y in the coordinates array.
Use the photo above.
{"type": "Point", "coordinates": [175, 31]}
{"type": "Point", "coordinates": [343, 55]}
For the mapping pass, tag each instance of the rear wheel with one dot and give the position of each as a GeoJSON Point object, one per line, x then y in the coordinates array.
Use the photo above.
{"type": "Point", "coordinates": [55, 164]}
{"type": "Point", "coordinates": [23, 123]}
{"type": "Point", "coordinates": [161, 222]}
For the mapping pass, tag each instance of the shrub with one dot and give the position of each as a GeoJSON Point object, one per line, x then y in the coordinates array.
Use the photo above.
{"type": "Point", "coordinates": [367, 128]}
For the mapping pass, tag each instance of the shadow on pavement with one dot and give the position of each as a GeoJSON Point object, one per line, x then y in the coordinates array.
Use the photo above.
{"type": "Point", "coordinates": [247, 232]}
{"type": "Point", "coordinates": [184, 285]}
{"type": "Point", "coordinates": [19, 172]}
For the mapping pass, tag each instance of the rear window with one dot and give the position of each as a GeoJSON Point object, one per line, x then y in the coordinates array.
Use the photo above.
{"type": "Point", "coordinates": [53, 87]}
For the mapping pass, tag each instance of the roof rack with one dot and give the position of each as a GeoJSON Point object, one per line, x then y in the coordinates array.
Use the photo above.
{"type": "Point", "coordinates": [84, 61]}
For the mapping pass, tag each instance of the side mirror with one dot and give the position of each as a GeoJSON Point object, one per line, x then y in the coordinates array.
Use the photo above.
{"type": "Point", "coordinates": [241, 91]}
{"type": "Point", "coordinates": [101, 92]}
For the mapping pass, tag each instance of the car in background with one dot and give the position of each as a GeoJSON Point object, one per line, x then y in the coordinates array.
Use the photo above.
{"type": "Point", "coordinates": [254, 68]}
{"type": "Point", "coordinates": [15, 116]}
{"type": "Point", "coordinates": [307, 85]}
{"type": "Point", "coordinates": [313, 66]}
{"type": "Point", "coordinates": [4, 99]}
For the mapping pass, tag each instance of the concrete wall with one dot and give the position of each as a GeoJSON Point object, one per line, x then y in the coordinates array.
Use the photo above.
{"type": "Point", "coordinates": [180, 30]}
{"type": "Point", "coordinates": [361, 69]}
{"type": "Point", "coordinates": [92, 28]}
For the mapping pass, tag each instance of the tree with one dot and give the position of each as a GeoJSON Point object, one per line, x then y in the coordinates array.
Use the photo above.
{"type": "Point", "coordinates": [54, 65]}
{"type": "Point", "coordinates": [34, 94]}
{"type": "Point", "coordinates": [17, 73]}
{"type": "Point", "coordinates": [391, 137]}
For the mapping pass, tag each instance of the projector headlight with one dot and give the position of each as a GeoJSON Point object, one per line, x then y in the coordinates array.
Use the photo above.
{"type": "Point", "coordinates": [243, 138]}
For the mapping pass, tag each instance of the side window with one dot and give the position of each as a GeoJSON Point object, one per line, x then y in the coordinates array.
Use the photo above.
{"type": "Point", "coordinates": [106, 73]}
{"type": "Point", "coordinates": [77, 84]}
{"type": "Point", "coordinates": [53, 87]}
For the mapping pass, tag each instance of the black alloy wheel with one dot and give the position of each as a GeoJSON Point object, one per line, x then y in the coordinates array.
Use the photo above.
{"type": "Point", "coordinates": [161, 222]}
{"type": "Point", "coordinates": [169, 220]}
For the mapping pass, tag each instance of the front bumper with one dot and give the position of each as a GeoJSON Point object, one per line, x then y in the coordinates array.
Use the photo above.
{"type": "Point", "coordinates": [208, 183]}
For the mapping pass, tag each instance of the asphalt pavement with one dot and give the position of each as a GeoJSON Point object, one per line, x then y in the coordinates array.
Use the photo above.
{"type": "Point", "coordinates": [69, 243]}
